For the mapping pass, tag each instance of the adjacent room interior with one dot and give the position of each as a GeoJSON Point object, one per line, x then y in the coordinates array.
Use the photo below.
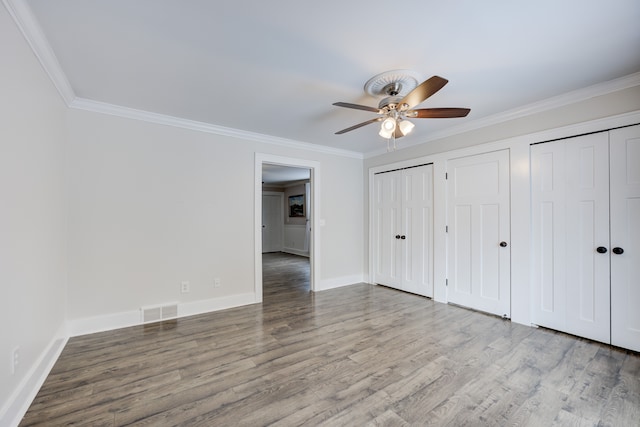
{"type": "Point", "coordinates": [252, 213]}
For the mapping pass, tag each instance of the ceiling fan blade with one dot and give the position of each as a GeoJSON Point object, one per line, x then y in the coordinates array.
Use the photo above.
{"type": "Point", "coordinates": [358, 107]}
{"type": "Point", "coordinates": [437, 113]}
{"type": "Point", "coordinates": [359, 125]}
{"type": "Point", "coordinates": [423, 91]}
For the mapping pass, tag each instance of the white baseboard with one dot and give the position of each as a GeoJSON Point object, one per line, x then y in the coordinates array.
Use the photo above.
{"type": "Point", "coordinates": [215, 304]}
{"type": "Point", "coordinates": [294, 251]}
{"type": "Point", "coordinates": [16, 406]}
{"type": "Point", "coordinates": [338, 282]}
{"type": "Point", "coordinates": [108, 322]}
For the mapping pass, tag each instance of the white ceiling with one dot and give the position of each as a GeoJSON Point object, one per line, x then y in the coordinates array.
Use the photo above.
{"type": "Point", "coordinates": [275, 67]}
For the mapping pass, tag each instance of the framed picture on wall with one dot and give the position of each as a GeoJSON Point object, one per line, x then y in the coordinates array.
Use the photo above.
{"type": "Point", "coordinates": [296, 206]}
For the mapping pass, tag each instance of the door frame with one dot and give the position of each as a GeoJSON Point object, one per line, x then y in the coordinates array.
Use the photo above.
{"type": "Point", "coordinates": [314, 247]}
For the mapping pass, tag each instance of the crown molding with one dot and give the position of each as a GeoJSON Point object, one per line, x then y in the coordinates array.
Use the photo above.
{"type": "Point", "coordinates": [568, 98]}
{"type": "Point", "coordinates": [162, 119]}
{"type": "Point", "coordinates": [30, 28]}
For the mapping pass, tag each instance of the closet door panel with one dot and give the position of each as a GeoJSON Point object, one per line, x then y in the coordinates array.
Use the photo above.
{"type": "Point", "coordinates": [625, 234]}
{"type": "Point", "coordinates": [548, 203]}
{"type": "Point", "coordinates": [387, 225]}
{"type": "Point", "coordinates": [417, 207]}
{"type": "Point", "coordinates": [587, 228]}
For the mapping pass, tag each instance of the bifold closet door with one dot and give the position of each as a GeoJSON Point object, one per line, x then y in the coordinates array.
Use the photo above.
{"type": "Point", "coordinates": [403, 229]}
{"type": "Point", "coordinates": [417, 227]}
{"type": "Point", "coordinates": [625, 237]}
{"type": "Point", "coordinates": [387, 224]}
{"type": "Point", "coordinates": [587, 230]}
{"type": "Point", "coordinates": [548, 218]}
{"type": "Point", "coordinates": [570, 233]}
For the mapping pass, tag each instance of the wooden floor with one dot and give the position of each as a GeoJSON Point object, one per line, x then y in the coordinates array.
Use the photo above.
{"type": "Point", "coordinates": [354, 356]}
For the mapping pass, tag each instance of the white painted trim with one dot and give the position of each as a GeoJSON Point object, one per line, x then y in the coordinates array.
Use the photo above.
{"type": "Point", "coordinates": [294, 251]}
{"type": "Point", "coordinates": [314, 248]}
{"type": "Point", "coordinates": [109, 322]}
{"type": "Point", "coordinates": [338, 282]}
{"type": "Point", "coordinates": [215, 304]}
{"type": "Point", "coordinates": [162, 119]}
{"type": "Point", "coordinates": [526, 110]}
{"type": "Point", "coordinates": [32, 32]}
{"type": "Point", "coordinates": [102, 323]}
{"type": "Point", "coordinates": [18, 403]}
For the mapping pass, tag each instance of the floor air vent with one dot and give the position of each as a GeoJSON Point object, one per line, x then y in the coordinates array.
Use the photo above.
{"type": "Point", "coordinates": [157, 313]}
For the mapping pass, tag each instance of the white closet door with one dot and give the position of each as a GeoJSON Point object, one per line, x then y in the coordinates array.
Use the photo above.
{"type": "Point", "coordinates": [417, 223]}
{"type": "Point", "coordinates": [548, 205]}
{"type": "Point", "coordinates": [570, 221]}
{"type": "Point", "coordinates": [625, 234]}
{"type": "Point", "coordinates": [387, 224]}
{"type": "Point", "coordinates": [478, 267]}
{"type": "Point", "coordinates": [586, 229]}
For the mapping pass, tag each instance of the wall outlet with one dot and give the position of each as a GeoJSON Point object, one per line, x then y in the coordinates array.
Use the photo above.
{"type": "Point", "coordinates": [216, 282]}
{"type": "Point", "coordinates": [15, 359]}
{"type": "Point", "coordinates": [184, 287]}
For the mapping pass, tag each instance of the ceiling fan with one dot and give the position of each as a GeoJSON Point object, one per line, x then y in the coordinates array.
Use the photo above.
{"type": "Point", "coordinates": [401, 94]}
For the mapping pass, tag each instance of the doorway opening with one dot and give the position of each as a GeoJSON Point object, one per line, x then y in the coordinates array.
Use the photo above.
{"type": "Point", "coordinates": [286, 216]}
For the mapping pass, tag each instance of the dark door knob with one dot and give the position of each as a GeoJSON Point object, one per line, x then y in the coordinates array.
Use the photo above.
{"type": "Point", "coordinates": [403, 237]}
{"type": "Point", "coordinates": [503, 244]}
{"type": "Point", "coordinates": [397, 236]}
{"type": "Point", "coordinates": [617, 251]}
{"type": "Point", "coordinates": [601, 250]}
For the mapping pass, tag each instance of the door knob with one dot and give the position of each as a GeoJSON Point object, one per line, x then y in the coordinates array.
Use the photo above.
{"type": "Point", "coordinates": [601, 250]}
{"type": "Point", "coordinates": [403, 237]}
{"type": "Point", "coordinates": [503, 244]}
{"type": "Point", "coordinates": [617, 251]}
{"type": "Point", "coordinates": [397, 236]}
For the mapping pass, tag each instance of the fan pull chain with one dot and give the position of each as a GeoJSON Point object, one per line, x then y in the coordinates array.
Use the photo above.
{"type": "Point", "coordinates": [391, 148]}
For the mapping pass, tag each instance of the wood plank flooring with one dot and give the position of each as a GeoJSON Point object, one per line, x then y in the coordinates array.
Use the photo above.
{"type": "Point", "coordinates": [360, 355]}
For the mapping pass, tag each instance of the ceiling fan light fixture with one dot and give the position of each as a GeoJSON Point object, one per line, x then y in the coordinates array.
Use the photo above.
{"type": "Point", "coordinates": [387, 127]}
{"type": "Point", "coordinates": [401, 94]}
{"type": "Point", "coordinates": [406, 126]}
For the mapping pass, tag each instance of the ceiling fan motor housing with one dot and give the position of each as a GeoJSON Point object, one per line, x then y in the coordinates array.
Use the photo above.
{"type": "Point", "coordinates": [389, 103]}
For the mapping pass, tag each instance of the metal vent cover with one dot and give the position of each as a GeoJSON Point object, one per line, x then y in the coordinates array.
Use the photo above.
{"type": "Point", "coordinates": [158, 313]}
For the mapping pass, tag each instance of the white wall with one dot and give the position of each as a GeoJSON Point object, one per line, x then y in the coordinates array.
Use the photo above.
{"type": "Point", "coordinates": [152, 206]}
{"type": "Point", "coordinates": [32, 220]}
